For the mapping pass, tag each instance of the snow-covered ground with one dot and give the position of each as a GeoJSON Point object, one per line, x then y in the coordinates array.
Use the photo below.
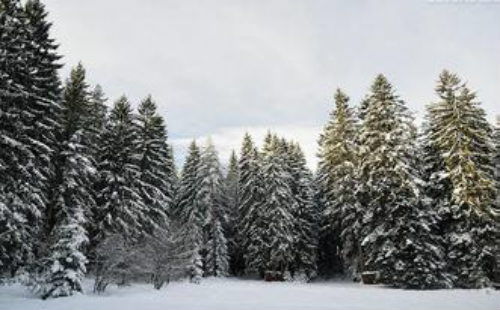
{"type": "Point", "coordinates": [220, 294]}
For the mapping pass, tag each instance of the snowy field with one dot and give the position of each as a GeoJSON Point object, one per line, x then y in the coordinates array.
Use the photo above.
{"type": "Point", "coordinates": [218, 294]}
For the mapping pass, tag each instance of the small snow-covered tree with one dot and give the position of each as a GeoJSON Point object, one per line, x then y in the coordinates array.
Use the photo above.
{"type": "Point", "coordinates": [211, 199]}
{"type": "Point", "coordinates": [189, 211]}
{"type": "Point", "coordinates": [62, 270]}
{"type": "Point", "coordinates": [116, 260]}
{"type": "Point", "coordinates": [158, 258]}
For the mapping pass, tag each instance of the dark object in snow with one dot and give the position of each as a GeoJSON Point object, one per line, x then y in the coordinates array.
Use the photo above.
{"type": "Point", "coordinates": [369, 277]}
{"type": "Point", "coordinates": [272, 276]}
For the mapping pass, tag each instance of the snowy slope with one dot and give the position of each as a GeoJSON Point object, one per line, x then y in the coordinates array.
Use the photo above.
{"type": "Point", "coordinates": [254, 295]}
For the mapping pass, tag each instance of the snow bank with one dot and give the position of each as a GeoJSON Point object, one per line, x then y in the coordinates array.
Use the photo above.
{"type": "Point", "coordinates": [221, 294]}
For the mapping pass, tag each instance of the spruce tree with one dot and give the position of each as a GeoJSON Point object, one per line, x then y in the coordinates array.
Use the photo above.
{"type": "Point", "coordinates": [155, 166]}
{"type": "Point", "coordinates": [235, 250]}
{"type": "Point", "coordinates": [189, 211]}
{"type": "Point", "coordinates": [338, 158]}
{"type": "Point", "coordinates": [250, 186]}
{"type": "Point", "coordinates": [278, 222]}
{"type": "Point", "coordinates": [22, 197]}
{"type": "Point", "coordinates": [394, 222]}
{"type": "Point", "coordinates": [121, 208]}
{"type": "Point", "coordinates": [44, 89]}
{"type": "Point", "coordinates": [459, 134]}
{"type": "Point", "coordinates": [62, 267]}
{"type": "Point", "coordinates": [211, 199]}
{"type": "Point", "coordinates": [251, 222]}
{"type": "Point", "coordinates": [305, 216]}
{"type": "Point", "coordinates": [95, 125]}
{"type": "Point", "coordinates": [173, 176]}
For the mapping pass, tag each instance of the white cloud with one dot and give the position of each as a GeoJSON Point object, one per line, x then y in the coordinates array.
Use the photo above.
{"type": "Point", "coordinates": [217, 65]}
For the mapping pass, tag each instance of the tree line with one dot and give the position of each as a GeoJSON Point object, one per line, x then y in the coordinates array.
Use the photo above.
{"type": "Point", "coordinates": [91, 189]}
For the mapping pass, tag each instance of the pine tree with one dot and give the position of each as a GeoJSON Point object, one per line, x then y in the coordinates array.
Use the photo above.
{"type": "Point", "coordinates": [173, 177]}
{"type": "Point", "coordinates": [459, 133]}
{"type": "Point", "coordinates": [305, 216]}
{"type": "Point", "coordinates": [338, 158]}
{"type": "Point", "coordinates": [62, 267]}
{"type": "Point", "coordinates": [328, 261]}
{"type": "Point", "coordinates": [72, 119]}
{"type": "Point", "coordinates": [212, 202]}
{"type": "Point", "coordinates": [277, 230]}
{"type": "Point", "coordinates": [236, 264]}
{"type": "Point", "coordinates": [44, 88]}
{"type": "Point", "coordinates": [189, 211]}
{"type": "Point", "coordinates": [21, 186]}
{"type": "Point", "coordinates": [121, 207]}
{"type": "Point", "coordinates": [394, 221]}
{"type": "Point", "coordinates": [250, 206]}
{"type": "Point", "coordinates": [155, 166]}
{"type": "Point", "coordinates": [95, 124]}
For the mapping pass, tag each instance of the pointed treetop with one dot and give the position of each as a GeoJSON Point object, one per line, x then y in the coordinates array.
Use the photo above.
{"type": "Point", "coordinates": [121, 108]}
{"type": "Point", "coordinates": [448, 83]}
{"type": "Point", "coordinates": [233, 158]}
{"type": "Point", "coordinates": [98, 92]}
{"type": "Point", "coordinates": [147, 106]}
{"type": "Point", "coordinates": [381, 85]}
{"type": "Point", "coordinates": [340, 97]}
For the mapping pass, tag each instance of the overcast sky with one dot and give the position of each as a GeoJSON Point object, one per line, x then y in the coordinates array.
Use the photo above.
{"type": "Point", "coordinates": [221, 68]}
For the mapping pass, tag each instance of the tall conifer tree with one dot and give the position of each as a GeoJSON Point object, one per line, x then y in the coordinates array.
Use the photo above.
{"type": "Point", "coordinates": [190, 213]}
{"type": "Point", "coordinates": [338, 154]}
{"type": "Point", "coordinates": [305, 216]}
{"type": "Point", "coordinates": [26, 152]}
{"type": "Point", "coordinates": [155, 167]}
{"type": "Point", "coordinates": [212, 200]}
{"type": "Point", "coordinates": [62, 267]}
{"type": "Point", "coordinates": [235, 250]}
{"type": "Point", "coordinates": [390, 192]}
{"type": "Point", "coordinates": [250, 205]}
{"type": "Point", "coordinates": [459, 133]}
{"type": "Point", "coordinates": [121, 206]}
{"type": "Point", "coordinates": [278, 223]}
